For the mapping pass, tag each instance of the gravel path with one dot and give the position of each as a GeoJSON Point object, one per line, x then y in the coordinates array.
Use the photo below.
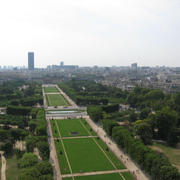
{"type": "Point", "coordinates": [67, 97]}
{"type": "Point", "coordinates": [131, 166]}
{"type": "Point", "coordinates": [3, 166]}
{"type": "Point", "coordinates": [95, 173]}
{"type": "Point", "coordinates": [53, 153]}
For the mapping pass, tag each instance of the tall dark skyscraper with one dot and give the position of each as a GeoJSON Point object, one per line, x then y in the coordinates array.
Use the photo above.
{"type": "Point", "coordinates": [31, 60]}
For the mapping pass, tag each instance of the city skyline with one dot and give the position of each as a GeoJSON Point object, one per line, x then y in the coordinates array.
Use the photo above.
{"type": "Point", "coordinates": [88, 33]}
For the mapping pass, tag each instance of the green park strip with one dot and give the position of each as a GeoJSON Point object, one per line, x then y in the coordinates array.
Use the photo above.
{"type": "Point", "coordinates": [56, 100]}
{"type": "Point", "coordinates": [50, 90]}
{"type": "Point", "coordinates": [54, 128]}
{"type": "Point", "coordinates": [128, 176]}
{"type": "Point", "coordinates": [69, 178]}
{"type": "Point", "coordinates": [72, 127]}
{"type": "Point", "coordinates": [114, 176]}
{"type": "Point", "coordinates": [110, 154]}
{"type": "Point", "coordinates": [85, 156]}
{"type": "Point", "coordinates": [64, 168]}
{"type": "Point", "coordinates": [12, 170]}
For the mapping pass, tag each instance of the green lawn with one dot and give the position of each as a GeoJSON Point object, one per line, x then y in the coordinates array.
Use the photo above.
{"type": "Point", "coordinates": [11, 168]}
{"type": "Point", "coordinates": [54, 129]}
{"type": "Point", "coordinates": [62, 158]}
{"type": "Point", "coordinates": [111, 155]}
{"type": "Point", "coordinates": [172, 153]}
{"type": "Point", "coordinates": [128, 176]}
{"type": "Point", "coordinates": [51, 90]}
{"type": "Point", "coordinates": [85, 156]}
{"type": "Point", "coordinates": [71, 125]}
{"type": "Point", "coordinates": [114, 176]}
{"type": "Point", "coordinates": [56, 100]}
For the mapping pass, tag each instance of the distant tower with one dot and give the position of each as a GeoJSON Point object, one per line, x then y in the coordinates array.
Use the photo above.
{"type": "Point", "coordinates": [31, 60]}
{"type": "Point", "coordinates": [134, 66]}
{"type": "Point", "coordinates": [62, 63]}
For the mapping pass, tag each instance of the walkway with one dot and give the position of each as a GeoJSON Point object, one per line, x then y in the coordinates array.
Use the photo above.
{"type": "Point", "coordinates": [95, 173]}
{"type": "Point", "coordinates": [3, 166]}
{"type": "Point", "coordinates": [131, 166]}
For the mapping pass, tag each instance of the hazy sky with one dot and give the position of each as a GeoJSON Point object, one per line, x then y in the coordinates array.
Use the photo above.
{"type": "Point", "coordinates": [90, 32]}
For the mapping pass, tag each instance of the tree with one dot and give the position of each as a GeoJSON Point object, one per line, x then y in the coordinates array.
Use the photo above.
{"type": "Point", "coordinates": [28, 160]}
{"type": "Point", "coordinates": [43, 149]}
{"type": "Point", "coordinates": [173, 136]}
{"type": "Point", "coordinates": [4, 134]}
{"type": "Point", "coordinates": [18, 110]}
{"type": "Point", "coordinates": [41, 130]}
{"type": "Point", "coordinates": [144, 130]}
{"type": "Point", "coordinates": [44, 168]}
{"type": "Point", "coordinates": [108, 125]}
{"type": "Point", "coordinates": [32, 125]}
{"type": "Point", "coordinates": [144, 113]}
{"type": "Point", "coordinates": [7, 147]}
{"type": "Point", "coordinates": [95, 112]}
{"type": "Point", "coordinates": [165, 120]}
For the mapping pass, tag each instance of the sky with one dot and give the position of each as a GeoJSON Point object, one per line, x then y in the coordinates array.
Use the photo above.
{"type": "Point", "coordinates": [90, 32]}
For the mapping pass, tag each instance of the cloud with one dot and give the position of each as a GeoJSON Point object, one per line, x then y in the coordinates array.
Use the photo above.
{"type": "Point", "coordinates": [88, 32]}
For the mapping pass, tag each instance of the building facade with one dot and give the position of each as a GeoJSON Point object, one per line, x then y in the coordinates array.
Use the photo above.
{"type": "Point", "coordinates": [31, 60]}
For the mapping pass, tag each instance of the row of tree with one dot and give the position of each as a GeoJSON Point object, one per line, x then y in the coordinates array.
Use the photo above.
{"type": "Point", "coordinates": [31, 169]}
{"type": "Point", "coordinates": [154, 163]}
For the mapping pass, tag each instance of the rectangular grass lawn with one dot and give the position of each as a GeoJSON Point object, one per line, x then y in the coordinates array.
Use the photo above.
{"type": "Point", "coordinates": [54, 128]}
{"type": "Point", "coordinates": [85, 156]}
{"type": "Point", "coordinates": [128, 176]}
{"type": "Point", "coordinates": [12, 169]}
{"type": "Point", "coordinates": [56, 100]}
{"type": "Point", "coordinates": [51, 90]}
{"type": "Point", "coordinates": [114, 176]}
{"type": "Point", "coordinates": [68, 126]}
{"type": "Point", "coordinates": [64, 168]}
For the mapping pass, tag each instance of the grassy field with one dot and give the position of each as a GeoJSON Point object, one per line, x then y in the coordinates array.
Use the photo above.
{"type": "Point", "coordinates": [72, 125]}
{"type": "Point", "coordinates": [69, 178]}
{"type": "Point", "coordinates": [54, 129]}
{"type": "Point", "coordinates": [56, 100]}
{"type": "Point", "coordinates": [172, 153]}
{"type": "Point", "coordinates": [111, 155]}
{"type": "Point", "coordinates": [85, 156]}
{"type": "Point", "coordinates": [114, 176]}
{"type": "Point", "coordinates": [128, 176]}
{"type": "Point", "coordinates": [11, 168]}
{"type": "Point", "coordinates": [62, 158]}
{"type": "Point", "coordinates": [51, 90]}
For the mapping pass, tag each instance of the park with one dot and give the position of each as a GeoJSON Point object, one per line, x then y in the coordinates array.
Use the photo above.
{"type": "Point", "coordinates": [80, 150]}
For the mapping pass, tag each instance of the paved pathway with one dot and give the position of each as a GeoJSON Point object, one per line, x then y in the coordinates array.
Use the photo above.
{"type": "Point", "coordinates": [3, 166]}
{"type": "Point", "coordinates": [66, 97]}
{"type": "Point", "coordinates": [53, 153]}
{"type": "Point", "coordinates": [118, 152]}
{"type": "Point", "coordinates": [95, 173]}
